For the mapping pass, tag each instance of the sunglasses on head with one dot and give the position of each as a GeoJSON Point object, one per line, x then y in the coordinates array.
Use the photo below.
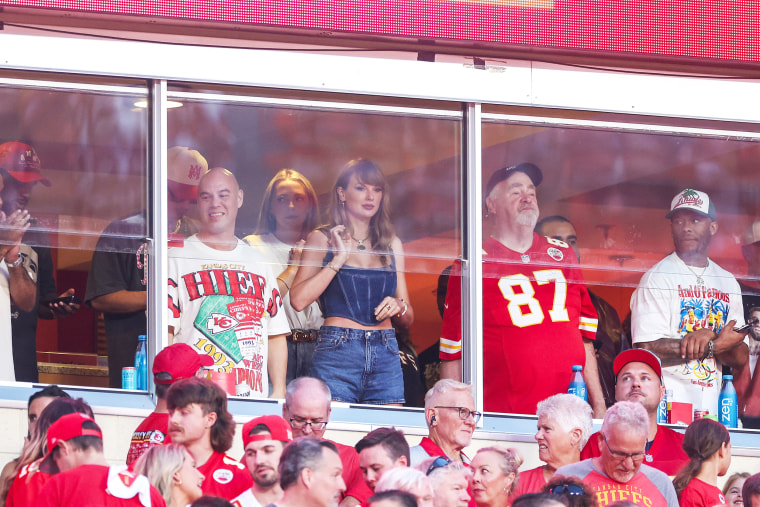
{"type": "Point", "coordinates": [439, 462]}
{"type": "Point", "coordinates": [570, 489]}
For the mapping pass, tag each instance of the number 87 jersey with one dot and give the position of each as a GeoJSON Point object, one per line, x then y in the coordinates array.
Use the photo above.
{"type": "Point", "coordinates": [536, 313]}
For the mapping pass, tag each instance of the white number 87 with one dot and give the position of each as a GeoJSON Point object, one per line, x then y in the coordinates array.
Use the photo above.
{"type": "Point", "coordinates": [534, 314]}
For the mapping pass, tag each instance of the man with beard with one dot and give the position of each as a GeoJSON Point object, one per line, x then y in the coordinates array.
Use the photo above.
{"type": "Point", "coordinates": [686, 307]}
{"type": "Point", "coordinates": [618, 473]}
{"type": "Point", "coordinates": [263, 440]}
{"type": "Point", "coordinates": [639, 378]}
{"type": "Point", "coordinates": [538, 319]}
{"type": "Point", "coordinates": [199, 421]}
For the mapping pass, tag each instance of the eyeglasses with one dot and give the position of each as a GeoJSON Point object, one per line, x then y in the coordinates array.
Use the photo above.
{"type": "Point", "coordinates": [465, 412]}
{"type": "Point", "coordinates": [570, 489]}
{"type": "Point", "coordinates": [297, 423]}
{"type": "Point", "coordinates": [622, 456]}
{"type": "Point", "coordinates": [439, 462]}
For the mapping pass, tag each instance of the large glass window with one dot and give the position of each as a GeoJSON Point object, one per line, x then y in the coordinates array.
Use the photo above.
{"type": "Point", "coordinates": [606, 189]}
{"type": "Point", "coordinates": [74, 156]}
{"type": "Point", "coordinates": [417, 150]}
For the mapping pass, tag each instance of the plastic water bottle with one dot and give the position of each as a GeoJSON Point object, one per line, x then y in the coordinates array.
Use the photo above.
{"type": "Point", "coordinates": [662, 410]}
{"type": "Point", "coordinates": [577, 384]}
{"type": "Point", "coordinates": [141, 363]}
{"type": "Point", "coordinates": [728, 404]}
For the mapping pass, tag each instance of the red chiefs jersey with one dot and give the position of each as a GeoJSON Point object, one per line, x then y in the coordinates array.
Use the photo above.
{"type": "Point", "coordinates": [536, 312]}
{"type": "Point", "coordinates": [99, 486]}
{"type": "Point", "coordinates": [153, 430]}
{"type": "Point", "coordinates": [224, 476]}
{"type": "Point", "coordinates": [27, 485]}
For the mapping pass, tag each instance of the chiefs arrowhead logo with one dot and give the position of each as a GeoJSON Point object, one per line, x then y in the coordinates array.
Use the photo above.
{"type": "Point", "coordinates": [220, 322]}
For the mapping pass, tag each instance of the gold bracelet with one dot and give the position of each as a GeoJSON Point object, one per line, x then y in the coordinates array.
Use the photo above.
{"type": "Point", "coordinates": [332, 266]}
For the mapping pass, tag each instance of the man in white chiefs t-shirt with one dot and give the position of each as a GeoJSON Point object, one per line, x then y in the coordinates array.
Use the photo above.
{"type": "Point", "coordinates": [223, 297]}
{"type": "Point", "coordinates": [686, 307]}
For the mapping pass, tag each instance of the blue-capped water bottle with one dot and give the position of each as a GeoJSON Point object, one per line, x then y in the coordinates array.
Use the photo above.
{"type": "Point", "coordinates": [728, 405]}
{"type": "Point", "coordinates": [577, 384]}
{"type": "Point", "coordinates": [662, 410]}
{"type": "Point", "coordinates": [141, 363]}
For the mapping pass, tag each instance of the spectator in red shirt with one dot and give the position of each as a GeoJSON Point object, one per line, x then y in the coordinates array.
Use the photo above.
{"type": "Point", "coordinates": [451, 418]}
{"type": "Point", "coordinates": [199, 421]}
{"type": "Point", "coordinates": [175, 362]}
{"type": "Point", "coordinates": [307, 409]}
{"type": "Point", "coordinates": [82, 475]}
{"type": "Point", "coordinates": [708, 445]}
{"type": "Point", "coordinates": [29, 479]}
{"type": "Point", "coordinates": [638, 378]}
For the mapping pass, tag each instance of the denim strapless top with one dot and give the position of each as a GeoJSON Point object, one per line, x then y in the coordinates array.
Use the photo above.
{"type": "Point", "coordinates": [354, 292]}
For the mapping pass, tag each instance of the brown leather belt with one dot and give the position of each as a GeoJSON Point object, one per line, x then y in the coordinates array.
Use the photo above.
{"type": "Point", "coordinates": [303, 335]}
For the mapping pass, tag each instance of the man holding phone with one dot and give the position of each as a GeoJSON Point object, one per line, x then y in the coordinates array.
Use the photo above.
{"type": "Point", "coordinates": [20, 173]}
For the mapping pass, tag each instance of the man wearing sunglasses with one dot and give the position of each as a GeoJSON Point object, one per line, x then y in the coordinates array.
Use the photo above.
{"type": "Point", "coordinates": [638, 378]}
{"type": "Point", "coordinates": [618, 473]}
{"type": "Point", "coordinates": [451, 417]}
{"type": "Point", "coordinates": [307, 409]}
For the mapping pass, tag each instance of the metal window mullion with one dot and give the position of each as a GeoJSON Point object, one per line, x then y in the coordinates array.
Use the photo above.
{"type": "Point", "coordinates": [472, 269]}
{"type": "Point", "coordinates": [159, 234]}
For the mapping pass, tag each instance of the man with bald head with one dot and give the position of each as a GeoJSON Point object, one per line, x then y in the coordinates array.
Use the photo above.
{"type": "Point", "coordinates": [223, 297]}
{"type": "Point", "coordinates": [307, 409]}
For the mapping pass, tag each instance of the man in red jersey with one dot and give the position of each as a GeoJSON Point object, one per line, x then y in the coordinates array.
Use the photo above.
{"type": "Point", "coordinates": [199, 421]}
{"type": "Point", "coordinates": [176, 362]}
{"type": "Point", "coordinates": [638, 376]}
{"type": "Point", "coordinates": [82, 475]}
{"type": "Point", "coordinates": [538, 319]}
{"type": "Point", "coordinates": [307, 409]}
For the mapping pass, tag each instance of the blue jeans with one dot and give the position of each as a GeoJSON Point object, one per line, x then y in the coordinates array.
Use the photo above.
{"type": "Point", "coordinates": [359, 366]}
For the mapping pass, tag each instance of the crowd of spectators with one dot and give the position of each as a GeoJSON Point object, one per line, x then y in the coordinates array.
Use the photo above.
{"type": "Point", "coordinates": [287, 462]}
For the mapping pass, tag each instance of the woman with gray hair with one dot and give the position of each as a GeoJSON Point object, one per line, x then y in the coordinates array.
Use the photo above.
{"type": "Point", "coordinates": [409, 480]}
{"type": "Point", "coordinates": [564, 427]}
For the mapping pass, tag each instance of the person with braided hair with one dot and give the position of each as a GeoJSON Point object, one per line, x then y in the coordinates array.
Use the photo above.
{"type": "Point", "coordinates": [708, 445]}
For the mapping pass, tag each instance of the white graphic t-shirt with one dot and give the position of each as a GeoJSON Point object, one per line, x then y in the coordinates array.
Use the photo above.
{"type": "Point", "coordinates": [226, 304]}
{"type": "Point", "coordinates": [669, 303]}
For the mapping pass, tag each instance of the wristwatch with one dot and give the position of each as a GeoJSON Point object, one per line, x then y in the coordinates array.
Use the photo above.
{"type": "Point", "coordinates": [15, 263]}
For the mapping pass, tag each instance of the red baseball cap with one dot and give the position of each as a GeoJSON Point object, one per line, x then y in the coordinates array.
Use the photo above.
{"type": "Point", "coordinates": [279, 429]}
{"type": "Point", "coordinates": [637, 356]}
{"type": "Point", "coordinates": [67, 427]}
{"type": "Point", "coordinates": [178, 361]}
{"type": "Point", "coordinates": [21, 162]}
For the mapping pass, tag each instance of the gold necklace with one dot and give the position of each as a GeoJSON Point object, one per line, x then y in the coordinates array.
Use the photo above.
{"type": "Point", "coordinates": [361, 243]}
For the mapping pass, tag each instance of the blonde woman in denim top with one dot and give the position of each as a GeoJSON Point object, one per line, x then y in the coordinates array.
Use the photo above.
{"type": "Point", "coordinates": [355, 268]}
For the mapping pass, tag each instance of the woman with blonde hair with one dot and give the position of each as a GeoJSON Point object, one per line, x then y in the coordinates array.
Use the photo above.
{"type": "Point", "coordinates": [355, 267]}
{"type": "Point", "coordinates": [708, 445]}
{"type": "Point", "coordinates": [289, 212]}
{"type": "Point", "coordinates": [494, 475]}
{"type": "Point", "coordinates": [171, 470]}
